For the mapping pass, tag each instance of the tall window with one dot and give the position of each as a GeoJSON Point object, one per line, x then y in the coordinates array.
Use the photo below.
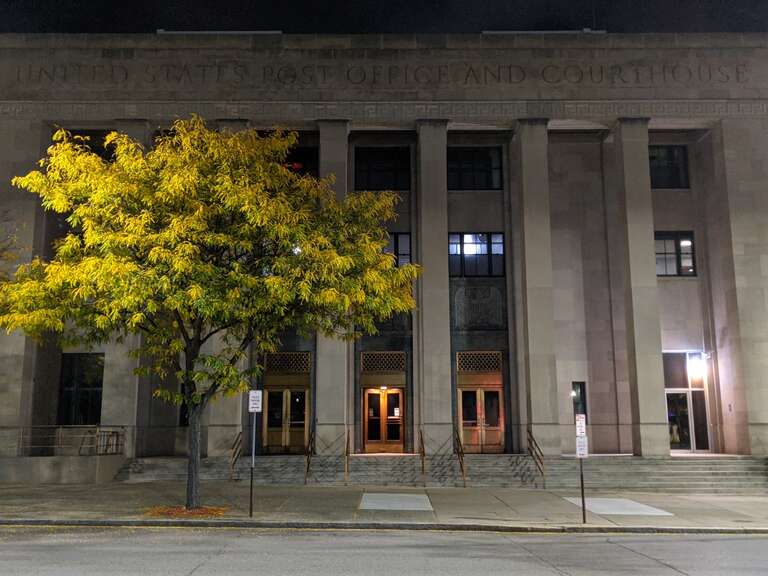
{"type": "Point", "coordinates": [82, 376]}
{"type": "Point", "coordinates": [400, 246]}
{"type": "Point", "coordinates": [675, 254]}
{"type": "Point", "coordinates": [669, 166]}
{"type": "Point", "coordinates": [474, 168]}
{"type": "Point", "coordinates": [383, 168]}
{"type": "Point", "coordinates": [476, 254]}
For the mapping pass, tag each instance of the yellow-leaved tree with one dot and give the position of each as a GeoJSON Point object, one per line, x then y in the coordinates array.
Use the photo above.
{"type": "Point", "coordinates": [208, 234]}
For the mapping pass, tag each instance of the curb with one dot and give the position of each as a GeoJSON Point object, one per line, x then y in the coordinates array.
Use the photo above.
{"type": "Point", "coordinates": [409, 526]}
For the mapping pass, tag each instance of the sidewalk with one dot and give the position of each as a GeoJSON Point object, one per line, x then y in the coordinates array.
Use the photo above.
{"type": "Point", "coordinates": [505, 509]}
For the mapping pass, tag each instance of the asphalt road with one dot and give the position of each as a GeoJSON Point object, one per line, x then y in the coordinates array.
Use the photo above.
{"type": "Point", "coordinates": [221, 552]}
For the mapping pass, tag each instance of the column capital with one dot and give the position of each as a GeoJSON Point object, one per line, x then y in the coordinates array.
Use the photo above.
{"type": "Point", "coordinates": [432, 122]}
{"type": "Point", "coordinates": [632, 120]}
{"type": "Point", "coordinates": [338, 122]}
{"type": "Point", "coordinates": [532, 121]}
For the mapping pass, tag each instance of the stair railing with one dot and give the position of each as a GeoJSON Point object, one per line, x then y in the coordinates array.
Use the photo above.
{"type": "Point", "coordinates": [235, 453]}
{"type": "Point", "coordinates": [534, 450]}
{"type": "Point", "coordinates": [346, 456]}
{"type": "Point", "coordinates": [422, 453]}
{"type": "Point", "coordinates": [460, 454]}
{"type": "Point", "coordinates": [310, 451]}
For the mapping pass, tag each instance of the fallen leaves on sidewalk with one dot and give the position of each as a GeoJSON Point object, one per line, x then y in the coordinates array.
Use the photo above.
{"type": "Point", "coordinates": [182, 512]}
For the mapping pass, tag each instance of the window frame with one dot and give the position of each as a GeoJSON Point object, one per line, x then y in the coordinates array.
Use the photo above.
{"type": "Point", "coordinates": [459, 170]}
{"type": "Point", "coordinates": [677, 237]}
{"type": "Point", "coordinates": [685, 183]}
{"type": "Point", "coordinates": [397, 172]}
{"type": "Point", "coordinates": [492, 273]}
{"type": "Point", "coordinates": [396, 252]}
{"type": "Point", "coordinates": [68, 413]}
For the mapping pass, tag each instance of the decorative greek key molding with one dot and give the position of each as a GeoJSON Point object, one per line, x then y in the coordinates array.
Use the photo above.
{"type": "Point", "coordinates": [285, 113]}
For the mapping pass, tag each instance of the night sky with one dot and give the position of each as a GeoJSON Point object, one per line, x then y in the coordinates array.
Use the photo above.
{"type": "Point", "coordinates": [360, 16]}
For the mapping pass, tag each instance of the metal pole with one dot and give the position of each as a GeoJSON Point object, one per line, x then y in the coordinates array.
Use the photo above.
{"type": "Point", "coordinates": [253, 460]}
{"type": "Point", "coordinates": [583, 503]}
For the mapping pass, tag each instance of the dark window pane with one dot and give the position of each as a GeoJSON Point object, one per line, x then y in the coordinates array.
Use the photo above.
{"type": "Point", "coordinates": [298, 408]}
{"type": "Point", "coordinates": [700, 419]}
{"type": "Point", "coordinates": [454, 265]}
{"type": "Point", "coordinates": [668, 166]}
{"type": "Point", "coordinates": [81, 384]}
{"type": "Point", "coordinates": [275, 409]}
{"type": "Point", "coordinates": [374, 416]}
{"type": "Point", "coordinates": [304, 160]}
{"type": "Point", "coordinates": [675, 370]}
{"type": "Point", "coordinates": [96, 143]}
{"type": "Point", "coordinates": [474, 168]}
{"type": "Point", "coordinates": [491, 406]}
{"type": "Point", "coordinates": [387, 168]}
{"type": "Point", "coordinates": [469, 408]}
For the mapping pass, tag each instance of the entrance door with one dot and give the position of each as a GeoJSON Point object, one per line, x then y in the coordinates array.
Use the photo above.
{"type": "Point", "coordinates": [482, 419]}
{"type": "Point", "coordinates": [285, 426]}
{"type": "Point", "coordinates": [687, 417]}
{"type": "Point", "coordinates": [679, 421]}
{"type": "Point", "coordinates": [383, 421]}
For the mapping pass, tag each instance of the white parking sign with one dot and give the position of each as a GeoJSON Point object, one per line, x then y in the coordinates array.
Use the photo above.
{"type": "Point", "coordinates": [254, 401]}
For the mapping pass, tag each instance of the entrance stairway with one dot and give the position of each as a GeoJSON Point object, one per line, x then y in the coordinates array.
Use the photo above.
{"type": "Point", "coordinates": [364, 469]}
{"type": "Point", "coordinates": [678, 474]}
{"type": "Point", "coordinates": [689, 474]}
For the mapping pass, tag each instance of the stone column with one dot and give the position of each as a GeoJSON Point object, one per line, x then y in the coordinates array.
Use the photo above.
{"type": "Point", "coordinates": [332, 373]}
{"type": "Point", "coordinates": [223, 419]}
{"type": "Point", "coordinates": [24, 400]}
{"type": "Point", "coordinates": [530, 181]}
{"type": "Point", "coordinates": [432, 362]}
{"type": "Point", "coordinates": [120, 388]}
{"type": "Point", "coordinates": [629, 188]}
{"type": "Point", "coordinates": [732, 157]}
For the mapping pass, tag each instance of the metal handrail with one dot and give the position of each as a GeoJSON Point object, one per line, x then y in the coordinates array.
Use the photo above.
{"type": "Point", "coordinates": [346, 456]}
{"type": "Point", "coordinates": [310, 450]}
{"type": "Point", "coordinates": [235, 453]}
{"type": "Point", "coordinates": [422, 453]}
{"type": "Point", "coordinates": [85, 440]}
{"type": "Point", "coordinates": [535, 452]}
{"type": "Point", "coordinates": [460, 454]}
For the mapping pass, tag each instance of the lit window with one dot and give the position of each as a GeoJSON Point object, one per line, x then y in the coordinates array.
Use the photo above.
{"type": "Point", "coordinates": [669, 166]}
{"type": "Point", "coordinates": [675, 255]}
{"type": "Point", "coordinates": [474, 168]}
{"type": "Point", "coordinates": [476, 254]}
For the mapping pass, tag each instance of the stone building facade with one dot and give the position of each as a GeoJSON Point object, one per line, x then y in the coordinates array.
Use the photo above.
{"type": "Point", "coordinates": [591, 212]}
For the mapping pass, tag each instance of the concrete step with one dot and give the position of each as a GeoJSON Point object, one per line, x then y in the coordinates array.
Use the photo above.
{"type": "Point", "coordinates": [678, 475]}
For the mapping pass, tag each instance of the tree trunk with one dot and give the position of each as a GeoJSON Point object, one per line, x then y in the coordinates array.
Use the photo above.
{"type": "Point", "coordinates": [193, 458]}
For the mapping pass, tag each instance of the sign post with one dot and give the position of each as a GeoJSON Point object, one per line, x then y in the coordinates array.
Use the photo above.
{"type": "Point", "coordinates": [582, 452]}
{"type": "Point", "coordinates": [254, 406]}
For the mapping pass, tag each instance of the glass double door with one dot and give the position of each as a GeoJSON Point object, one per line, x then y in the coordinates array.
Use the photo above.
{"type": "Point", "coordinates": [687, 417]}
{"type": "Point", "coordinates": [482, 419]}
{"type": "Point", "coordinates": [384, 417]}
{"type": "Point", "coordinates": [286, 420]}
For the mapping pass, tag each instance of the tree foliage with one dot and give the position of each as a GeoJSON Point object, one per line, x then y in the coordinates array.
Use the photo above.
{"type": "Point", "coordinates": [207, 235]}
